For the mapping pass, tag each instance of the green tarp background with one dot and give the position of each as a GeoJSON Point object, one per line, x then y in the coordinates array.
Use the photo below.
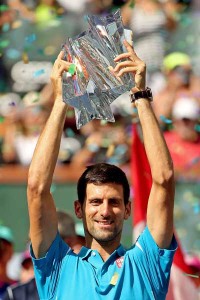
{"type": "Point", "coordinates": [14, 213]}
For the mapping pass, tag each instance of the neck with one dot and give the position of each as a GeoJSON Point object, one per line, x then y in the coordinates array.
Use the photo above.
{"type": "Point", "coordinates": [105, 249]}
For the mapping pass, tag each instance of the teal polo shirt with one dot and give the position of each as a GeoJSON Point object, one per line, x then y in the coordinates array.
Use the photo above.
{"type": "Point", "coordinates": [140, 273]}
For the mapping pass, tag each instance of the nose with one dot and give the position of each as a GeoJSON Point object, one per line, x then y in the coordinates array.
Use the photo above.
{"type": "Point", "coordinates": [105, 210]}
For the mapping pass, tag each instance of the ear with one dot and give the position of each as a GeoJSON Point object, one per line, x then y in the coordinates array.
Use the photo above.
{"type": "Point", "coordinates": [127, 211]}
{"type": "Point", "coordinates": [78, 209]}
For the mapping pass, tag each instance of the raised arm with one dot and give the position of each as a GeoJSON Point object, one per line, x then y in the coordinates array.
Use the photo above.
{"type": "Point", "coordinates": [42, 211]}
{"type": "Point", "coordinates": [161, 199]}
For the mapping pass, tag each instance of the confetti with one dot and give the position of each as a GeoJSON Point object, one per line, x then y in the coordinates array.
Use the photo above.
{"type": "Point", "coordinates": [53, 188]}
{"type": "Point", "coordinates": [30, 38]}
{"type": "Point", "coordinates": [40, 51]}
{"type": "Point", "coordinates": [69, 132]}
{"type": "Point", "coordinates": [3, 8]}
{"type": "Point", "coordinates": [196, 208]}
{"type": "Point", "coordinates": [4, 43]}
{"type": "Point", "coordinates": [16, 24]}
{"type": "Point", "coordinates": [13, 54]}
{"type": "Point", "coordinates": [191, 275]}
{"type": "Point", "coordinates": [49, 50]}
{"type": "Point", "coordinates": [72, 69]}
{"type": "Point", "coordinates": [135, 111]}
{"type": "Point", "coordinates": [25, 58]}
{"type": "Point", "coordinates": [165, 120]}
{"type": "Point", "coordinates": [103, 122]}
{"type": "Point", "coordinates": [38, 72]}
{"type": "Point", "coordinates": [110, 150]}
{"type": "Point", "coordinates": [197, 127]}
{"type": "Point", "coordinates": [1, 119]}
{"type": "Point", "coordinates": [92, 147]}
{"type": "Point", "coordinates": [5, 27]}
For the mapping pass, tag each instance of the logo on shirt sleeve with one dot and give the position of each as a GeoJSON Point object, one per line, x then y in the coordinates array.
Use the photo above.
{"type": "Point", "coordinates": [119, 261]}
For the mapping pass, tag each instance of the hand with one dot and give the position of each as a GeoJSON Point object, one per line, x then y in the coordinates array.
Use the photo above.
{"type": "Point", "coordinates": [134, 65]}
{"type": "Point", "coordinates": [59, 67]}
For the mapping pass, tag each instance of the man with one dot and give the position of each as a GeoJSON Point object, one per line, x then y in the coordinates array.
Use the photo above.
{"type": "Point", "coordinates": [102, 269]}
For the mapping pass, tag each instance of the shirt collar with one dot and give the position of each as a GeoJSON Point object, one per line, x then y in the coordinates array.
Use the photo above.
{"type": "Point", "coordinates": [85, 252]}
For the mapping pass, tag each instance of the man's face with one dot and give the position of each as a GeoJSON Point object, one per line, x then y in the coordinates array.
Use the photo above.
{"type": "Point", "coordinates": [104, 212]}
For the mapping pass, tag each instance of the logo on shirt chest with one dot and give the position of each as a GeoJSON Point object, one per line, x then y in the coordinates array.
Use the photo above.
{"type": "Point", "coordinates": [119, 261]}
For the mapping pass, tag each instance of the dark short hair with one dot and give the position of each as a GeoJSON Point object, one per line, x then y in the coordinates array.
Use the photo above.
{"type": "Point", "coordinates": [99, 174]}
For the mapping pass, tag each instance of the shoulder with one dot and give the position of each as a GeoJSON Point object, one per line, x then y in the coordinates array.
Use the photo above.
{"type": "Point", "coordinates": [146, 245]}
{"type": "Point", "coordinates": [57, 248]}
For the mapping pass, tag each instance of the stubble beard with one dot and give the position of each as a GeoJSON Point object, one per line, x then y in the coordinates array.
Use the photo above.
{"type": "Point", "coordinates": [104, 236]}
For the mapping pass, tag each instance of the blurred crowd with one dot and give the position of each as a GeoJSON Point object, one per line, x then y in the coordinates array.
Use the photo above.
{"type": "Point", "coordinates": [17, 280]}
{"type": "Point", "coordinates": [165, 36]}
{"type": "Point", "coordinates": [32, 35]}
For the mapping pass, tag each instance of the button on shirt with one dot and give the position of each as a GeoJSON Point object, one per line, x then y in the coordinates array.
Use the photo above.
{"type": "Point", "coordinates": [141, 273]}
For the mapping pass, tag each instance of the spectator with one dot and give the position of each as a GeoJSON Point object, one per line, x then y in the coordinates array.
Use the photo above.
{"type": "Point", "coordinates": [23, 128]}
{"type": "Point", "coordinates": [6, 252]}
{"type": "Point", "coordinates": [150, 21]}
{"type": "Point", "coordinates": [184, 140]}
{"type": "Point", "coordinates": [23, 9]}
{"type": "Point", "coordinates": [26, 289]}
{"type": "Point", "coordinates": [107, 143]}
{"type": "Point", "coordinates": [67, 230]}
{"type": "Point", "coordinates": [178, 71]}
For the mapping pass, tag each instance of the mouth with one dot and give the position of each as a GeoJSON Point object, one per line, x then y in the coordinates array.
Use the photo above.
{"type": "Point", "coordinates": [105, 224]}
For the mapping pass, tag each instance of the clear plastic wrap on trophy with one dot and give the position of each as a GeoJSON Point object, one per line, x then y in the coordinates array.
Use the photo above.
{"type": "Point", "coordinates": [111, 34]}
{"type": "Point", "coordinates": [80, 91]}
{"type": "Point", "coordinates": [91, 88]}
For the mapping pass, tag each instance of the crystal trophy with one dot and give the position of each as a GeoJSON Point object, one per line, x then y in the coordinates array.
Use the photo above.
{"type": "Point", "coordinates": [92, 87]}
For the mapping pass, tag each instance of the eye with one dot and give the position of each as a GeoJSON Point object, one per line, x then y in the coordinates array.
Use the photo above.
{"type": "Point", "coordinates": [95, 202]}
{"type": "Point", "coordinates": [114, 202]}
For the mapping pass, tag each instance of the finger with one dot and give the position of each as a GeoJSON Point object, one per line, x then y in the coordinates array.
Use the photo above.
{"type": "Point", "coordinates": [127, 70]}
{"type": "Point", "coordinates": [60, 58]}
{"type": "Point", "coordinates": [63, 68]}
{"type": "Point", "coordinates": [60, 55]}
{"type": "Point", "coordinates": [131, 50]}
{"type": "Point", "coordinates": [129, 47]}
{"type": "Point", "coordinates": [122, 56]}
{"type": "Point", "coordinates": [124, 64]}
{"type": "Point", "coordinates": [60, 67]}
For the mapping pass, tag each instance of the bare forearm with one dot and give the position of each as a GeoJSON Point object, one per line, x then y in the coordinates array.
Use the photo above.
{"type": "Point", "coordinates": [46, 152]}
{"type": "Point", "coordinates": [161, 199]}
{"type": "Point", "coordinates": [155, 146]}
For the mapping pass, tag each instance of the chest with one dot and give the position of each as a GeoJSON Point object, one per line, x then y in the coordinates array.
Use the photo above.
{"type": "Point", "coordinates": [115, 281]}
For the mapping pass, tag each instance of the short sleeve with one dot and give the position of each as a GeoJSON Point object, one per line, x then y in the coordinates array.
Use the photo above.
{"type": "Point", "coordinates": [157, 262]}
{"type": "Point", "coordinates": [47, 269]}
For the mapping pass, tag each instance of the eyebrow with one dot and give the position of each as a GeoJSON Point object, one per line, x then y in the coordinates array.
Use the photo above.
{"type": "Point", "coordinates": [111, 198]}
